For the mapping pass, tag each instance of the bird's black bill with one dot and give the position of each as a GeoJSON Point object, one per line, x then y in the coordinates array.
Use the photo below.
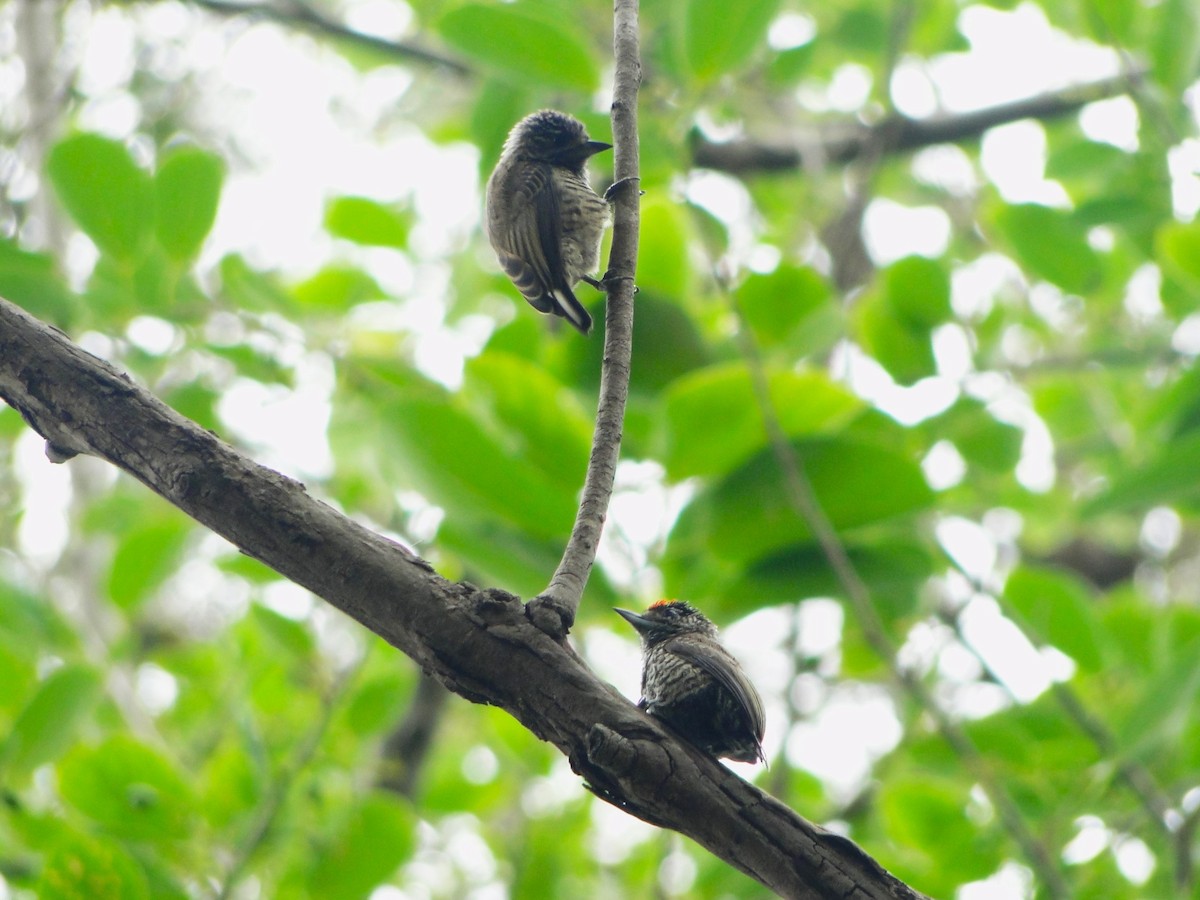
{"type": "Point", "coordinates": [580, 153]}
{"type": "Point", "coordinates": [638, 622]}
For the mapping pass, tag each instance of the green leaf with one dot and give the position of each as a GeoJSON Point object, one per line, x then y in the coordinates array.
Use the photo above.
{"type": "Point", "coordinates": [861, 29]}
{"type": "Point", "coordinates": [379, 835]}
{"type": "Point", "coordinates": [187, 188]}
{"type": "Point", "coordinates": [1177, 246]}
{"type": "Point", "coordinates": [498, 104]}
{"type": "Point", "coordinates": [516, 42]}
{"type": "Point", "coordinates": [376, 704]}
{"type": "Point", "coordinates": [720, 36]}
{"type": "Point", "coordinates": [792, 300]}
{"type": "Point", "coordinates": [501, 554]}
{"type": "Point", "coordinates": [542, 419]}
{"type": "Point", "coordinates": [892, 572]}
{"type": "Point", "coordinates": [366, 221]}
{"type": "Point", "coordinates": [1086, 162]}
{"type": "Point", "coordinates": [1050, 244]}
{"type": "Point", "coordinates": [982, 439]}
{"type": "Point", "coordinates": [105, 192]}
{"type": "Point", "coordinates": [896, 317]}
{"type": "Point", "coordinates": [1175, 51]}
{"type": "Point", "coordinates": [337, 288]}
{"type": "Point", "coordinates": [666, 345]}
{"type": "Point", "coordinates": [461, 466]}
{"type": "Point", "coordinates": [663, 266]}
{"type": "Point", "coordinates": [788, 66]}
{"type": "Point", "coordinates": [19, 675]}
{"type": "Point", "coordinates": [31, 626]}
{"type": "Point", "coordinates": [194, 400]}
{"type": "Point", "coordinates": [31, 281]}
{"type": "Point", "coordinates": [233, 781]}
{"type": "Point", "coordinates": [243, 566]}
{"type": "Point", "coordinates": [1171, 475]}
{"type": "Point", "coordinates": [1167, 704]}
{"type": "Point", "coordinates": [1057, 608]}
{"type": "Point", "coordinates": [154, 282]}
{"type": "Point", "coordinates": [906, 353]}
{"type": "Point", "coordinates": [748, 516]}
{"type": "Point", "coordinates": [917, 290]}
{"type": "Point", "coordinates": [82, 867]}
{"type": "Point", "coordinates": [129, 789]}
{"type": "Point", "coordinates": [924, 813]}
{"type": "Point", "coordinates": [1037, 740]}
{"type": "Point", "coordinates": [47, 724]}
{"type": "Point", "coordinates": [713, 420]}
{"type": "Point", "coordinates": [290, 635]}
{"type": "Point", "coordinates": [251, 290]}
{"type": "Point", "coordinates": [145, 558]}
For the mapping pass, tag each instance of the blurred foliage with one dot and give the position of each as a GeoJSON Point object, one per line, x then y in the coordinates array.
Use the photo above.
{"type": "Point", "coordinates": [175, 719]}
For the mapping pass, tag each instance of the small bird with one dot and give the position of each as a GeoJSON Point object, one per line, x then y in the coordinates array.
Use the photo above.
{"type": "Point", "coordinates": [693, 683]}
{"type": "Point", "coordinates": [543, 218]}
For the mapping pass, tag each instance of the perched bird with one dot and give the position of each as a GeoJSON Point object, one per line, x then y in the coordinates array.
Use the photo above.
{"type": "Point", "coordinates": [694, 685]}
{"type": "Point", "coordinates": [543, 218]}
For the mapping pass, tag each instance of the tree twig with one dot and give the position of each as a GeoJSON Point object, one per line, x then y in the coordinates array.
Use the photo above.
{"type": "Point", "coordinates": [555, 608]}
{"type": "Point", "coordinates": [295, 14]}
{"type": "Point", "coordinates": [269, 806]}
{"type": "Point", "coordinates": [478, 643]}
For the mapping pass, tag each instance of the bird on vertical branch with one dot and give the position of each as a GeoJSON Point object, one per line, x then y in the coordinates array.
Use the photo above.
{"type": "Point", "coordinates": [693, 684]}
{"type": "Point", "coordinates": [542, 217]}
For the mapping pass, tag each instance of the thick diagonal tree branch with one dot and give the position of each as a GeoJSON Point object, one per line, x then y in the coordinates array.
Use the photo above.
{"type": "Point", "coordinates": [554, 610]}
{"type": "Point", "coordinates": [479, 643]}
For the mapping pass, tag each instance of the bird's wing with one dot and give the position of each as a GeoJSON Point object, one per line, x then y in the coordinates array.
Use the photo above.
{"type": "Point", "coordinates": [529, 242]}
{"type": "Point", "coordinates": [529, 246]}
{"type": "Point", "coordinates": [721, 666]}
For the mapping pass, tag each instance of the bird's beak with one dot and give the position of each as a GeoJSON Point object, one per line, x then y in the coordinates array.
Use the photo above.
{"type": "Point", "coordinates": [581, 153]}
{"type": "Point", "coordinates": [638, 622]}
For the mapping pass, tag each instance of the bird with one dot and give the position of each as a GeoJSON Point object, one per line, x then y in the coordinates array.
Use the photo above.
{"type": "Point", "coordinates": [542, 217]}
{"type": "Point", "coordinates": [693, 684]}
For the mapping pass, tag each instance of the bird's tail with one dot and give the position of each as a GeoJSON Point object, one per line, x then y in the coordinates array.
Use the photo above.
{"type": "Point", "coordinates": [571, 309]}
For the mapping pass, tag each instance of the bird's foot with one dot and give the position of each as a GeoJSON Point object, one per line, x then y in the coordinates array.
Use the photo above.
{"type": "Point", "coordinates": [619, 187]}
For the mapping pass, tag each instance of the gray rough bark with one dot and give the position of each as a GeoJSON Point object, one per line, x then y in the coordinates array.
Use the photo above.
{"type": "Point", "coordinates": [479, 643]}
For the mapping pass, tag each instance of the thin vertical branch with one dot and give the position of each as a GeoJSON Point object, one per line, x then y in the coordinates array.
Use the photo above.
{"type": "Point", "coordinates": [554, 609]}
{"type": "Point", "coordinates": [277, 792]}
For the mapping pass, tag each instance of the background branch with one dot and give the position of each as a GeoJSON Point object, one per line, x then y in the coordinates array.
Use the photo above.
{"type": "Point", "coordinates": [1153, 799]}
{"type": "Point", "coordinates": [554, 610]}
{"type": "Point", "coordinates": [845, 142]}
{"type": "Point", "coordinates": [295, 14]}
{"type": "Point", "coordinates": [407, 746]}
{"type": "Point", "coordinates": [804, 501]}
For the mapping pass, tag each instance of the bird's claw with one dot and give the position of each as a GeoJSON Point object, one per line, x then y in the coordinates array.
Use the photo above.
{"type": "Point", "coordinates": [619, 187]}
